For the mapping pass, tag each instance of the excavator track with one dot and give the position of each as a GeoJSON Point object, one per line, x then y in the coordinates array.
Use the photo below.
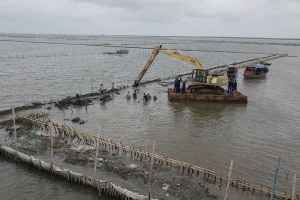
{"type": "Point", "coordinates": [201, 89]}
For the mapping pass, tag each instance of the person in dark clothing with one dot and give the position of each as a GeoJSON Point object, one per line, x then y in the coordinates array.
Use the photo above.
{"type": "Point", "coordinates": [230, 86]}
{"type": "Point", "coordinates": [145, 97]}
{"type": "Point", "coordinates": [112, 87]}
{"type": "Point", "coordinates": [183, 87]}
{"type": "Point", "coordinates": [175, 85]}
{"type": "Point", "coordinates": [148, 96]}
{"type": "Point", "coordinates": [134, 95]}
{"type": "Point", "coordinates": [178, 86]}
{"type": "Point", "coordinates": [234, 85]}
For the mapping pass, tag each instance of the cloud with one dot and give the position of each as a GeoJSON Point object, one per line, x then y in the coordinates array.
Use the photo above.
{"type": "Point", "coordinates": [262, 18]}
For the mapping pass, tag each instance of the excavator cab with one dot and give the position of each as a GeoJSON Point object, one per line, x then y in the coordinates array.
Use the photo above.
{"type": "Point", "coordinates": [200, 75]}
{"type": "Point", "coordinates": [205, 83]}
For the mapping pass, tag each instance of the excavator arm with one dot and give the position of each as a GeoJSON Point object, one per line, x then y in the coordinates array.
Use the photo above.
{"type": "Point", "coordinates": [147, 65]}
{"type": "Point", "coordinates": [171, 53]}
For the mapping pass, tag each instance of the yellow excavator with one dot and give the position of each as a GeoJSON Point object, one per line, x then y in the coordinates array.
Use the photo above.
{"type": "Point", "coordinates": [202, 79]}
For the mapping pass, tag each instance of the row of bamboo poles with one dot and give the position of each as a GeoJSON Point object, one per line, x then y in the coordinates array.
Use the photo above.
{"type": "Point", "coordinates": [142, 154]}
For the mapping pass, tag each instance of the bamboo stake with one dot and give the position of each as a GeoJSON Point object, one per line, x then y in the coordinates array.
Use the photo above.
{"type": "Point", "coordinates": [51, 147]}
{"type": "Point", "coordinates": [294, 186]}
{"type": "Point", "coordinates": [275, 180]}
{"type": "Point", "coordinates": [150, 176]}
{"type": "Point", "coordinates": [96, 154]}
{"type": "Point", "coordinates": [228, 182]}
{"type": "Point", "coordinates": [15, 130]}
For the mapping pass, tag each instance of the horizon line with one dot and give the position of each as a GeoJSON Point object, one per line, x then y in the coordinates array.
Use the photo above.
{"type": "Point", "coordinates": [76, 34]}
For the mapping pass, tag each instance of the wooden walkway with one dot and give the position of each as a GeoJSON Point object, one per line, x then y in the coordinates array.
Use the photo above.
{"type": "Point", "coordinates": [245, 63]}
{"type": "Point", "coordinates": [143, 155]}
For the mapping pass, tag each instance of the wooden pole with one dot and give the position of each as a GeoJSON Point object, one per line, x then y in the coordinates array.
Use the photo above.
{"type": "Point", "coordinates": [228, 182]}
{"type": "Point", "coordinates": [294, 186]}
{"type": "Point", "coordinates": [34, 132]}
{"type": "Point", "coordinates": [51, 147]}
{"type": "Point", "coordinates": [15, 129]}
{"type": "Point", "coordinates": [150, 175]}
{"type": "Point", "coordinates": [275, 179]}
{"type": "Point", "coordinates": [97, 146]}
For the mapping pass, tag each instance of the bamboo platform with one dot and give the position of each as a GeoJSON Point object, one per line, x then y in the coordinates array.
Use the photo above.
{"type": "Point", "coordinates": [144, 155]}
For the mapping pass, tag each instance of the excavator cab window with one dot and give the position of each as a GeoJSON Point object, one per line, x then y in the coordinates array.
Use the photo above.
{"type": "Point", "coordinates": [200, 75]}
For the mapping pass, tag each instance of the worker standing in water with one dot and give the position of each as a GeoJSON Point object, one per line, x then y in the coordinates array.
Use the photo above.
{"type": "Point", "coordinates": [134, 95]}
{"type": "Point", "coordinates": [101, 89]}
{"type": "Point", "coordinates": [128, 96]}
{"type": "Point", "coordinates": [145, 97]}
{"type": "Point", "coordinates": [112, 87]}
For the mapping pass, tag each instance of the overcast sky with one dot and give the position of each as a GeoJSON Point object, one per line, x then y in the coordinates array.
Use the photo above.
{"type": "Point", "coordinates": [245, 18]}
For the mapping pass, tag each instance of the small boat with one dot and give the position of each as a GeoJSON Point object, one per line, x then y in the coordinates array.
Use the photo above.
{"type": "Point", "coordinates": [256, 71]}
{"type": "Point", "coordinates": [232, 72]}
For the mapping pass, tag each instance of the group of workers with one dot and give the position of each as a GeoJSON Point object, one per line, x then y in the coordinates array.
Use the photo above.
{"type": "Point", "coordinates": [179, 86]}
{"type": "Point", "coordinates": [146, 97]}
{"type": "Point", "coordinates": [232, 86]}
{"type": "Point", "coordinates": [102, 90]}
{"type": "Point", "coordinates": [134, 95]}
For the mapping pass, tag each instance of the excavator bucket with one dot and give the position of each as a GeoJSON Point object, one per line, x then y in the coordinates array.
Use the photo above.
{"type": "Point", "coordinates": [135, 84]}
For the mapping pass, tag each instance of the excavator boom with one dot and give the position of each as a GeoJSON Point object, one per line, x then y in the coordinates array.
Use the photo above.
{"type": "Point", "coordinates": [175, 54]}
{"type": "Point", "coordinates": [158, 49]}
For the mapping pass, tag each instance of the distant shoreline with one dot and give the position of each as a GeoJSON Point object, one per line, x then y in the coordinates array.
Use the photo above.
{"type": "Point", "coordinates": [104, 35]}
{"type": "Point", "coordinates": [34, 38]}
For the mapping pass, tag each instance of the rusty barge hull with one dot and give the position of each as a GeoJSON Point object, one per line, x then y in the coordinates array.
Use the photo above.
{"type": "Point", "coordinates": [212, 98]}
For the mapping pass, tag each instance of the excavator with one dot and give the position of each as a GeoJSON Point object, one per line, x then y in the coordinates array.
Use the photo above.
{"type": "Point", "coordinates": [203, 80]}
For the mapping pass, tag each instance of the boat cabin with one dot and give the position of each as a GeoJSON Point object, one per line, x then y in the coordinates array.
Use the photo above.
{"type": "Point", "coordinates": [256, 71]}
